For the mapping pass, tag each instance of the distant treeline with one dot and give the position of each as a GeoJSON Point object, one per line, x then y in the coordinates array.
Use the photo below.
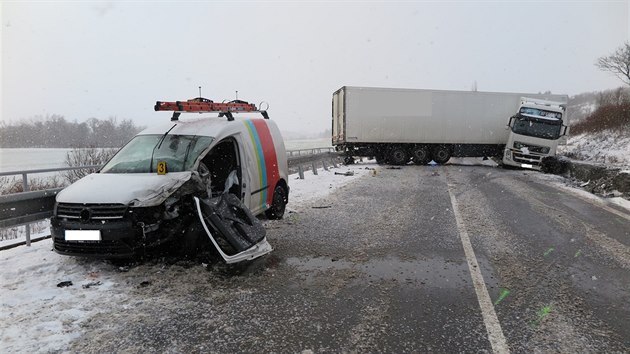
{"type": "Point", "coordinates": [56, 132]}
{"type": "Point", "coordinates": [612, 112]}
{"type": "Point", "coordinates": [584, 104]}
{"type": "Point", "coordinates": [614, 117]}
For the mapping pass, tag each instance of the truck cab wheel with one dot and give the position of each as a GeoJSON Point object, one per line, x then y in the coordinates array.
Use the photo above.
{"type": "Point", "coordinates": [398, 156]}
{"type": "Point", "coordinates": [278, 204]}
{"type": "Point", "coordinates": [441, 154]}
{"type": "Point", "coordinates": [421, 155]}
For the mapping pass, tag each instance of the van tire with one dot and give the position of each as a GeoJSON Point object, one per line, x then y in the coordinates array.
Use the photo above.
{"type": "Point", "coordinates": [441, 154]}
{"type": "Point", "coordinates": [278, 204]}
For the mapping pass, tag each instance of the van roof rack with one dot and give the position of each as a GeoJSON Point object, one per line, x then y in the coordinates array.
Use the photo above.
{"type": "Point", "coordinates": [204, 105]}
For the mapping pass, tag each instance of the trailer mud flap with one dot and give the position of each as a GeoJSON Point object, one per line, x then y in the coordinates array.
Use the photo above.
{"type": "Point", "coordinates": [235, 232]}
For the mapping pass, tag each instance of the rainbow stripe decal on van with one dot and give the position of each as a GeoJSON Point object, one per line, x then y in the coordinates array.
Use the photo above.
{"type": "Point", "coordinates": [266, 159]}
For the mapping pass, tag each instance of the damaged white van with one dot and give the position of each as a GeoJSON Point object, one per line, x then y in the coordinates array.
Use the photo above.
{"type": "Point", "coordinates": [180, 182]}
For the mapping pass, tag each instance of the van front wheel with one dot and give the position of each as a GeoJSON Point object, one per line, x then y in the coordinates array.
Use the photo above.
{"type": "Point", "coordinates": [278, 204]}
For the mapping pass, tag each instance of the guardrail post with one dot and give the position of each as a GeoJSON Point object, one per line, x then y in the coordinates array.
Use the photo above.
{"type": "Point", "coordinates": [314, 168]}
{"type": "Point", "coordinates": [28, 234]}
{"type": "Point", "coordinates": [24, 183]}
{"type": "Point", "coordinates": [301, 172]}
{"type": "Point", "coordinates": [325, 165]}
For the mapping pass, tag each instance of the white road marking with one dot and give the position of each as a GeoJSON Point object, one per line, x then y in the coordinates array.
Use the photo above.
{"type": "Point", "coordinates": [493, 327]}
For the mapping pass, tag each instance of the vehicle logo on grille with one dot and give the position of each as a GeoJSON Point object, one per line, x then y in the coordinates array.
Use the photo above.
{"type": "Point", "coordinates": [85, 215]}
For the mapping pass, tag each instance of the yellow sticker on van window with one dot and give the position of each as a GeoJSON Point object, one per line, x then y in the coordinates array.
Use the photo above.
{"type": "Point", "coordinates": [161, 168]}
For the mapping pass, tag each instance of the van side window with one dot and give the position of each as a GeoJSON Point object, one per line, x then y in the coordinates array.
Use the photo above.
{"type": "Point", "coordinates": [222, 160]}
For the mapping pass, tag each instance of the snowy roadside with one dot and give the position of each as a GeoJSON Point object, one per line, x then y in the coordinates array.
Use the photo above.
{"type": "Point", "coordinates": [41, 313]}
{"type": "Point", "coordinates": [574, 188]}
{"type": "Point", "coordinates": [607, 147]}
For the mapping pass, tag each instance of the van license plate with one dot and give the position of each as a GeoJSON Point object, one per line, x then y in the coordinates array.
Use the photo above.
{"type": "Point", "coordinates": [526, 165]}
{"type": "Point", "coordinates": [83, 235]}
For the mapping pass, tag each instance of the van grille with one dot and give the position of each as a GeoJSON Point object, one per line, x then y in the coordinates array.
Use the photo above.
{"type": "Point", "coordinates": [86, 212]}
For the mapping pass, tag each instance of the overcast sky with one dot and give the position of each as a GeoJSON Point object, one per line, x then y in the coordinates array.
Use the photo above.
{"type": "Point", "coordinates": [103, 59]}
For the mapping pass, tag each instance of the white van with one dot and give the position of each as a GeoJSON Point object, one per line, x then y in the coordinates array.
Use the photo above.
{"type": "Point", "coordinates": [217, 172]}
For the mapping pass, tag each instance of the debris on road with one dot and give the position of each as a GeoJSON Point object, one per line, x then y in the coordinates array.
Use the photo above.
{"type": "Point", "coordinates": [542, 313]}
{"type": "Point", "coordinates": [91, 284]}
{"type": "Point", "coordinates": [349, 173]}
{"type": "Point", "coordinates": [504, 293]}
{"type": "Point", "coordinates": [64, 284]}
{"type": "Point", "coordinates": [548, 252]}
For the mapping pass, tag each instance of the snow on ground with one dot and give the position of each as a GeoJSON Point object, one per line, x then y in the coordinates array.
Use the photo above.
{"type": "Point", "coordinates": [568, 185]}
{"type": "Point", "coordinates": [37, 315]}
{"type": "Point", "coordinates": [314, 187]}
{"type": "Point", "coordinates": [608, 147]}
{"type": "Point", "coordinates": [17, 234]}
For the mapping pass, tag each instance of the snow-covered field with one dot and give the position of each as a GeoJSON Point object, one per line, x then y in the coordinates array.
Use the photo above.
{"type": "Point", "coordinates": [607, 147]}
{"type": "Point", "coordinates": [39, 316]}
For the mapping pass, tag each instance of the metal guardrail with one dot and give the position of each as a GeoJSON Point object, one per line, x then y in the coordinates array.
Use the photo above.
{"type": "Point", "coordinates": [26, 207]}
{"type": "Point", "coordinates": [44, 170]}
{"type": "Point", "coordinates": [302, 152]}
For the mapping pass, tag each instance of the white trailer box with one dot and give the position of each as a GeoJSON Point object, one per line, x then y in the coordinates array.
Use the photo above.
{"type": "Point", "coordinates": [374, 121]}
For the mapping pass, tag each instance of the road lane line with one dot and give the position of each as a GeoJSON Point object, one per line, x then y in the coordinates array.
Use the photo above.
{"type": "Point", "coordinates": [493, 327]}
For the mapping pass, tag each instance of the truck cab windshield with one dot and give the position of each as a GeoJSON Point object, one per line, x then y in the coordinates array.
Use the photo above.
{"type": "Point", "coordinates": [537, 127]}
{"type": "Point", "coordinates": [178, 151]}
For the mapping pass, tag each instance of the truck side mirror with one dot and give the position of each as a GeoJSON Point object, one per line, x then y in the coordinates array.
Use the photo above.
{"type": "Point", "coordinates": [509, 123]}
{"type": "Point", "coordinates": [565, 130]}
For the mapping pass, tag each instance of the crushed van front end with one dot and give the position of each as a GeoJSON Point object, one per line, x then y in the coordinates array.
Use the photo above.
{"type": "Point", "coordinates": [111, 230]}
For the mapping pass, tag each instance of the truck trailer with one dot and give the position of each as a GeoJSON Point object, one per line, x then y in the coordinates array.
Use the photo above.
{"type": "Point", "coordinates": [397, 126]}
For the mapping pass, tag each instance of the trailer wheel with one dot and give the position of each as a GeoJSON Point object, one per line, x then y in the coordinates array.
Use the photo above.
{"type": "Point", "coordinates": [441, 154]}
{"type": "Point", "coordinates": [398, 156]}
{"type": "Point", "coordinates": [420, 155]}
{"type": "Point", "coordinates": [278, 205]}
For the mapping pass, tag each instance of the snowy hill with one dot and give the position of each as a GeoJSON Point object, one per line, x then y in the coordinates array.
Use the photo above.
{"type": "Point", "coordinates": [610, 147]}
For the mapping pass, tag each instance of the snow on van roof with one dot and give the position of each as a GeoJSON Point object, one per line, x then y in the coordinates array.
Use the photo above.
{"type": "Point", "coordinates": [204, 126]}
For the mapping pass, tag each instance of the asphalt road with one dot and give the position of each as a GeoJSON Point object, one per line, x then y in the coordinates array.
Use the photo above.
{"type": "Point", "coordinates": [382, 266]}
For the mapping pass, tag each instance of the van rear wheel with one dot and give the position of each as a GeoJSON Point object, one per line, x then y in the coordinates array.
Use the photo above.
{"type": "Point", "coordinates": [278, 204]}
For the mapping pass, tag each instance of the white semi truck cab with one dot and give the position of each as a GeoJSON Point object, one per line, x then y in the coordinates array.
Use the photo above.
{"type": "Point", "coordinates": [535, 132]}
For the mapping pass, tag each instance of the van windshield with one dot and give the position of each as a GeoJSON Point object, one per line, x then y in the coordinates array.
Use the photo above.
{"type": "Point", "coordinates": [179, 152]}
